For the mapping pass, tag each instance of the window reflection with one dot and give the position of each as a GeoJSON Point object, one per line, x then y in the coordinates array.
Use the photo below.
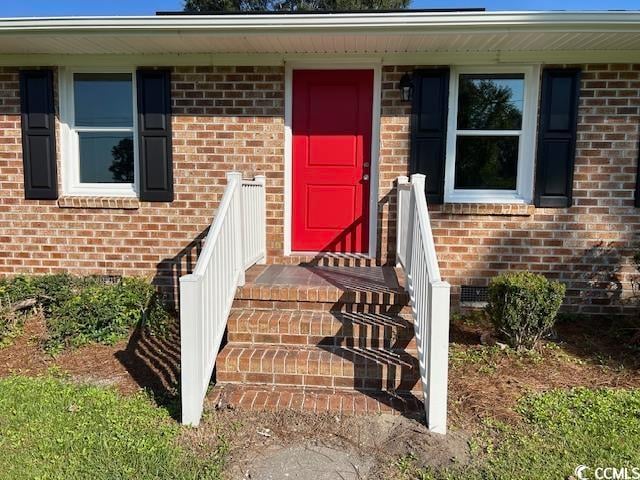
{"type": "Point", "coordinates": [106, 157]}
{"type": "Point", "coordinates": [103, 99]}
{"type": "Point", "coordinates": [490, 102]}
{"type": "Point", "coordinates": [486, 162]}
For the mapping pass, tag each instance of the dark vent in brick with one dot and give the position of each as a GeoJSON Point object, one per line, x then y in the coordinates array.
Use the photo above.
{"type": "Point", "coordinates": [470, 294]}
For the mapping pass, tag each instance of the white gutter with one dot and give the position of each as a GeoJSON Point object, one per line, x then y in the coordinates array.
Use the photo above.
{"type": "Point", "coordinates": [354, 22]}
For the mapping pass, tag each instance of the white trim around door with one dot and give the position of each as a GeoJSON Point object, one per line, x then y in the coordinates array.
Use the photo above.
{"type": "Point", "coordinates": [375, 143]}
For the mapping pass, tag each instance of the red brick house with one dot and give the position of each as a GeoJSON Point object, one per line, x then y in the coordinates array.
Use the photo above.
{"type": "Point", "coordinates": [117, 133]}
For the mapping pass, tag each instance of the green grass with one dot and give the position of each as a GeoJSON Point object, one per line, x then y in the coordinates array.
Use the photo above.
{"type": "Point", "coordinates": [561, 429]}
{"type": "Point", "coordinates": [53, 429]}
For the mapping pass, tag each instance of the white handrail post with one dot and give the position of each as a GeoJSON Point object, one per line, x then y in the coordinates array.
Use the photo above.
{"type": "Point", "coordinates": [402, 180]}
{"type": "Point", "coordinates": [418, 180]}
{"type": "Point", "coordinates": [237, 212]}
{"type": "Point", "coordinates": [191, 354]}
{"type": "Point", "coordinates": [262, 180]}
{"type": "Point", "coordinates": [437, 362]}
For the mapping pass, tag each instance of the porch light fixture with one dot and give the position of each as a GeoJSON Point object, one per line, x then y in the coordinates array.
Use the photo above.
{"type": "Point", "coordinates": [406, 87]}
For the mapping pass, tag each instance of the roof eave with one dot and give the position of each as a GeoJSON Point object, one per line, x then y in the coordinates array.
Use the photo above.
{"type": "Point", "coordinates": [369, 22]}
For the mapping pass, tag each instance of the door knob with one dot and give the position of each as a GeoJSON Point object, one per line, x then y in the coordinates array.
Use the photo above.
{"type": "Point", "coordinates": [365, 177]}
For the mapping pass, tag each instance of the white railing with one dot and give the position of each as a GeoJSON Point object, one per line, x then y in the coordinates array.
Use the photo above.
{"type": "Point", "coordinates": [416, 254]}
{"type": "Point", "coordinates": [254, 228]}
{"type": "Point", "coordinates": [236, 240]}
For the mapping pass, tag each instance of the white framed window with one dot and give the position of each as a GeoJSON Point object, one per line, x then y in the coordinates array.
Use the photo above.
{"type": "Point", "coordinates": [491, 134]}
{"type": "Point", "coordinates": [99, 131]}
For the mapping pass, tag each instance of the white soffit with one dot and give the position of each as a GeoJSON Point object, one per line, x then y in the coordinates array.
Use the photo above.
{"type": "Point", "coordinates": [373, 33]}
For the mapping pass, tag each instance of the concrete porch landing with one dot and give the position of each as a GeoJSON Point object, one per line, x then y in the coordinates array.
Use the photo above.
{"type": "Point", "coordinates": [383, 279]}
{"type": "Point", "coordinates": [322, 284]}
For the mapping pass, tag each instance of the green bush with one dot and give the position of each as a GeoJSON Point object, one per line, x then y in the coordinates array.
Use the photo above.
{"type": "Point", "coordinates": [103, 313]}
{"type": "Point", "coordinates": [81, 310]}
{"type": "Point", "coordinates": [10, 324]}
{"type": "Point", "coordinates": [12, 292]}
{"type": "Point", "coordinates": [523, 306]}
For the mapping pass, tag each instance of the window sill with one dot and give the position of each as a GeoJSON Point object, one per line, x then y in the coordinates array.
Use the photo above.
{"type": "Point", "coordinates": [112, 203]}
{"type": "Point", "coordinates": [506, 209]}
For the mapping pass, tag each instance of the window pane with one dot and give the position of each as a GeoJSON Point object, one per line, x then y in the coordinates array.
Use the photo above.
{"type": "Point", "coordinates": [106, 157]}
{"type": "Point", "coordinates": [103, 99]}
{"type": "Point", "coordinates": [486, 162]}
{"type": "Point", "coordinates": [490, 102]}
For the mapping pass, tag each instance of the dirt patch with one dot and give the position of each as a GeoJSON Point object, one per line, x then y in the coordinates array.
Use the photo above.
{"type": "Point", "coordinates": [260, 443]}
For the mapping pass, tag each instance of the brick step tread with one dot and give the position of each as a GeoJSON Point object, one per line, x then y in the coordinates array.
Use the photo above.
{"type": "Point", "coordinates": [391, 331]}
{"type": "Point", "coordinates": [337, 367]}
{"type": "Point", "coordinates": [253, 397]}
{"type": "Point", "coordinates": [248, 303]}
{"type": "Point", "coordinates": [322, 294]}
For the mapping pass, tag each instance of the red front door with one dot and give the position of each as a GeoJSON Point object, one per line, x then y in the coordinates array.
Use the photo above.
{"type": "Point", "coordinates": [332, 112]}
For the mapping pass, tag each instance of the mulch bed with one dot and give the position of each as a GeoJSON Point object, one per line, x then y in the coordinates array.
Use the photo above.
{"type": "Point", "coordinates": [143, 361]}
{"type": "Point", "coordinates": [587, 355]}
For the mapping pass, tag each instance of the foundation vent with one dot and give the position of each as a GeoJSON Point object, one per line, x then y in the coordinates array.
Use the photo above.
{"type": "Point", "coordinates": [474, 296]}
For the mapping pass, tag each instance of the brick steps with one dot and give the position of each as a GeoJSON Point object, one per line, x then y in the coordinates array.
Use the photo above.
{"type": "Point", "coordinates": [255, 397]}
{"type": "Point", "coordinates": [308, 306]}
{"type": "Point", "coordinates": [335, 328]}
{"type": "Point", "coordinates": [329, 338]}
{"type": "Point", "coordinates": [332, 367]}
{"type": "Point", "coordinates": [314, 298]}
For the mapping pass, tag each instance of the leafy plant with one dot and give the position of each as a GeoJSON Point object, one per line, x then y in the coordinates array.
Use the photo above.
{"type": "Point", "coordinates": [14, 291]}
{"type": "Point", "coordinates": [632, 324]}
{"type": "Point", "coordinates": [523, 306]}
{"type": "Point", "coordinates": [80, 310]}
{"type": "Point", "coordinates": [103, 313]}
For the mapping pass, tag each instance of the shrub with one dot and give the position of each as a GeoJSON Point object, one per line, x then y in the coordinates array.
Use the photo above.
{"type": "Point", "coordinates": [103, 313]}
{"type": "Point", "coordinates": [80, 310]}
{"type": "Point", "coordinates": [10, 324]}
{"type": "Point", "coordinates": [522, 306]}
{"type": "Point", "coordinates": [13, 291]}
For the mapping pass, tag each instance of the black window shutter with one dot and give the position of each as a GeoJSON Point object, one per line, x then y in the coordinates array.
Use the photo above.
{"type": "Point", "coordinates": [154, 135]}
{"type": "Point", "coordinates": [429, 129]}
{"type": "Point", "coordinates": [557, 137]}
{"type": "Point", "coordinates": [38, 135]}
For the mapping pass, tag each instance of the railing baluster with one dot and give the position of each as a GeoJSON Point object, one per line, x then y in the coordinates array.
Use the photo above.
{"type": "Point", "coordinates": [232, 245]}
{"type": "Point", "coordinates": [430, 297]}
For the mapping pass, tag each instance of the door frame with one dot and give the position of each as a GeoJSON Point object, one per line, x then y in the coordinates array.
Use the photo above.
{"type": "Point", "coordinates": [332, 64]}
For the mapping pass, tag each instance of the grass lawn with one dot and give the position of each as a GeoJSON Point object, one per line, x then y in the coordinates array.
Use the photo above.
{"type": "Point", "coordinates": [560, 430]}
{"type": "Point", "coordinates": [53, 429]}
{"type": "Point", "coordinates": [536, 415]}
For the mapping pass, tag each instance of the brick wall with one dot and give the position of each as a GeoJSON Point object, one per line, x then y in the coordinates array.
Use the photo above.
{"type": "Point", "coordinates": [587, 246]}
{"type": "Point", "coordinates": [225, 118]}
{"type": "Point", "coordinates": [231, 118]}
